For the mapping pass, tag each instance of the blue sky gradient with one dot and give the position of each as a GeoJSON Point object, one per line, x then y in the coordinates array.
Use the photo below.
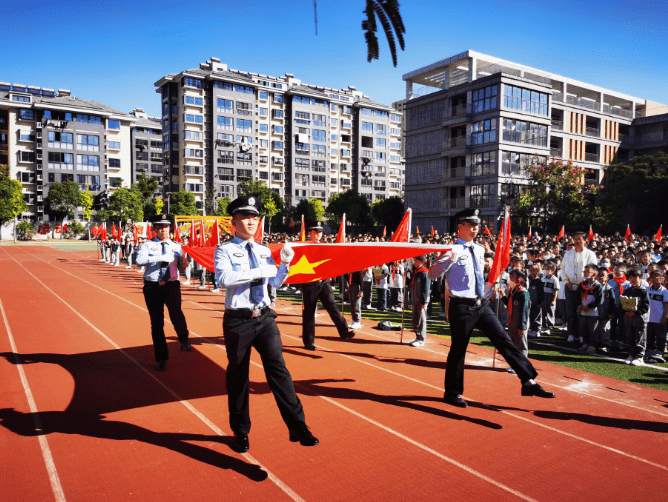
{"type": "Point", "coordinates": [113, 52]}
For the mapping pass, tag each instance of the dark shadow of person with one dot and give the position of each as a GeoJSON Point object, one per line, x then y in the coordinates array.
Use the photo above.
{"type": "Point", "coordinates": [108, 381]}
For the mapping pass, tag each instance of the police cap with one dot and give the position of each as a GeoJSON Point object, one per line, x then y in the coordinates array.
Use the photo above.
{"type": "Point", "coordinates": [316, 226]}
{"type": "Point", "coordinates": [161, 220]}
{"type": "Point", "coordinates": [245, 204]}
{"type": "Point", "coordinates": [470, 215]}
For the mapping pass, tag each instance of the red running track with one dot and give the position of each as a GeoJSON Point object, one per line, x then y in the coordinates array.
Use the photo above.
{"type": "Point", "coordinates": [84, 416]}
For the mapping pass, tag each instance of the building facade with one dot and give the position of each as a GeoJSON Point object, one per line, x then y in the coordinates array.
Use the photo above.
{"type": "Point", "coordinates": [48, 137]}
{"type": "Point", "coordinates": [476, 122]}
{"type": "Point", "coordinates": [223, 126]}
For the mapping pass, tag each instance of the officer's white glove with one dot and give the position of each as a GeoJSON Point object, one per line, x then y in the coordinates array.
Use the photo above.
{"type": "Point", "coordinates": [287, 253]}
{"type": "Point", "coordinates": [268, 271]}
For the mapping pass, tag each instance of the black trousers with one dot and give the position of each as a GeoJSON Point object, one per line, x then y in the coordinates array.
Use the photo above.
{"type": "Point", "coordinates": [157, 297]}
{"type": "Point", "coordinates": [311, 293]}
{"type": "Point", "coordinates": [462, 321]}
{"type": "Point", "coordinates": [261, 333]}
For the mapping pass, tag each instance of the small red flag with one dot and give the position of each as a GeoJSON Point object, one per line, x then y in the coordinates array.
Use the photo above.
{"type": "Point", "coordinates": [628, 233]}
{"type": "Point", "coordinates": [302, 232]}
{"type": "Point", "coordinates": [530, 234]}
{"type": "Point", "coordinates": [341, 236]}
{"type": "Point", "coordinates": [590, 235]}
{"type": "Point", "coordinates": [658, 234]}
{"type": "Point", "coordinates": [561, 233]}
{"type": "Point", "coordinates": [402, 233]}
{"type": "Point", "coordinates": [259, 233]}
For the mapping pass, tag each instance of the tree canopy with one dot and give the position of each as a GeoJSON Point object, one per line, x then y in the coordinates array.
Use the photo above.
{"type": "Point", "coordinates": [12, 202]}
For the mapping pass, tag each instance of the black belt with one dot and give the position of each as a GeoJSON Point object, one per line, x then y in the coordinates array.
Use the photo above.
{"type": "Point", "coordinates": [247, 313]}
{"type": "Point", "coordinates": [471, 302]}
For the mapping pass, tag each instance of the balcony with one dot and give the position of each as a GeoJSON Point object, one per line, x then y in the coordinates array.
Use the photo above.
{"type": "Point", "coordinates": [557, 125]}
{"type": "Point", "coordinates": [594, 132]}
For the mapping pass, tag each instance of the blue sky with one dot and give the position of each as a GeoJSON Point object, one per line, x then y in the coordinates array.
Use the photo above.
{"type": "Point", "coordinates": [113, 52]}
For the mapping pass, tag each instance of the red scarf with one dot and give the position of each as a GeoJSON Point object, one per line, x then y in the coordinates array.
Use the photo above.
{"type": "Point", "coordinates": [421, 269]}
{"type": "Point", "coordinates": [620, 280]}
{"type": "Point", "coordinates": [587, 289]}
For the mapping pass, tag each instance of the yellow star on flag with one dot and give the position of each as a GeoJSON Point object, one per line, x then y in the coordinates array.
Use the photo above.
{"type": "Point", "coordinates": [303, 266]}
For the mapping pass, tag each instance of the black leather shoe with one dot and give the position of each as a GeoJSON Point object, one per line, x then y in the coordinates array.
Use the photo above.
{"type": "Point", "coordinates": [536, 390]}
{"type": "Point", "coordinates": [455, 400]}
{"type": "Point", "coordinates": [186, 347]}
{"type": "Point", "coordinates": [241, 443]}
{"type": "Point", "coordinates": [310, 347]}
{"type": "Point", "coordinates": [161, 366]}
{"type": "Point", "coordinates": [302, 434]}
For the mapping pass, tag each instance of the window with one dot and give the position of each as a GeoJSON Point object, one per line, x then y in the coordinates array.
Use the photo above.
{"type": "Point", "coordinates": [224, 106]}
{"type": "Point", "coordinates": [26, 114]}
{"type": "Point", "coordinates": [263, 112]}
{"type": "Point", "coordinates": [264, 127]}
{"type": "Point", "coordinates": [318, 135]}
{"type": "Point", "coordinates": [485, 99]}
{"type": "Point", "coordinates": [113, 124]}
{"type": "Point", "coordinates": [483, 132]}
{"type": "Point", "coordinates": [483, 164]}
{"type": "Point", "coordinates": [516, 98]}
{"type": "Point", "coordinates": [224, 123]}
{"type": "Point", "coordinates": [223, 85]}
{"type": "Point", "coordinates": [115, 163]}
{"type": "Point", "coordinates": [192, 82]}
{"type": "Point", "coordinates": [115, 145]}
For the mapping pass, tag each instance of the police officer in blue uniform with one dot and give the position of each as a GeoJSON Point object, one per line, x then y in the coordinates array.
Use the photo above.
{"type": "Point", "coordinates": [163, 260]}
{"type": "Point", "coordinates": [464, 270]}
{"type": "Point", "coordinates": [245, 268]}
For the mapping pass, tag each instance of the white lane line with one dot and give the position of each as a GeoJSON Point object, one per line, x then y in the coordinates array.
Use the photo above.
{"type": "Point", "coordinates": [559, 431]}
{"type": "Point", "coordinates": [278, 482]}
{"type": "Point", "coordinates": [56, 487]}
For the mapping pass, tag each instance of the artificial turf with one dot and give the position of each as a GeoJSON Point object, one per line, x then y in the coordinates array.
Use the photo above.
{"type": "Point", "coordinates": [550, 348]}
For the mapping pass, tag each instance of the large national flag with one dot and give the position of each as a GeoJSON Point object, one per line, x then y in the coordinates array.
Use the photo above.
{"type": "Point", "coordinates": [214, 240]}
{"type": "Point", "coordinates": [658, 234]}
{"type": "Point", "coordinates": [315, 262]}
{"type": "Point", "coordinates": [628, 233]}
{"type": "Point", "coordinates": [259, 233]}
{"type": "Point", "coordinates": [402, 233]}
{"type": "Point", "coordinates": [590, 235]}
{"type": "Point", "coordinates": [341, 236]}
{"type": "Point", "coordinates": [561, 233]}
{"type": "Point", "coordinates": [302, 232]}
{"type": "Point", "coordinates": [502, 254]}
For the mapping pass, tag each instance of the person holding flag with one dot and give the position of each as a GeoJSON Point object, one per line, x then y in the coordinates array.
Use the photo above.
{"type": "Point", "coordinates": [320, 290]}
{"type": "Point", "coordinates": [468, 309]}
{"type": "Point", "coordinates": [244, 268]}
{"type": "Point", "coordinates": [163, 259]}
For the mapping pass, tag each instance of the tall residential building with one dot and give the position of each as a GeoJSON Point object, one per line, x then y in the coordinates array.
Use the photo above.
{"type": "Point", "coordinates": [222, 126]}
{"type": "Point", "coordinates": [475, 122]}
{"type": "Point", "coordinates": [48, 136]}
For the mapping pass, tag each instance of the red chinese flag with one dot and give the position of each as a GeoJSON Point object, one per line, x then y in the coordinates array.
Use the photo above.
{"type": "Point", "coordinates": [432, 230]}
{"type": "Point", "coordinates": [341, 236]}
{"type": "Point", "coordinates": [214, 240]}
{"type": "Point", "coordinates": [302, 232]}
{"type": "Point", "coordinates": [193, 235]}
{"type": "Point", "coordinates": [530, 234]}
{"type": "Point", "coordinates": [628, 233]}
{"type": "Point", "coordinates": [487, 231]}
{"type": "Point", "coordinates": [658, 234]}
{"type": "Point", "coordinates": [135, 234]}
{"type": "Point", "coordinates": [402, 233]}
{"type": "Point", "coordinates": [561, 233]}
{"type": "Point", "coordinates": [259, 233]}
{"type": "Point", "coordinates": [314, 262]}
{"type": "Point", "coordinates": [590, 235]}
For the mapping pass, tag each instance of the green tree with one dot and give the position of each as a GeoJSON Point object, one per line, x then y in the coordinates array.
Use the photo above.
{"type": "Point", "coordinates": [353, 204]}
{"type": "Point", "coordinates": [311, 209]}
{"type": "Point", "coordinates": [557, 194]}
{"type": "Point", "coordinates": [62, 201]}
{"type": "Point", "coordinates": [124, 204]}
{"type": "Point", "coordinates": [388, 212]}
{"type": "Point", "coordinates": [12, 202]}
{"type": "Point", "coordinates": [633, 192]}
{"type": "Point", "coordinates": [182, 203]}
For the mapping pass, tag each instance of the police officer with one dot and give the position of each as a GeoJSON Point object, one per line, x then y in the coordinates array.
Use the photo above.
{"type": "Point", "coordinates": [320, 290]}
{"type": "Point", "coordinates": [468, 309]}
{"type": "Point", "coordinates": [163, 259]}
{"type": "Point", "coordinates": [244, 268]}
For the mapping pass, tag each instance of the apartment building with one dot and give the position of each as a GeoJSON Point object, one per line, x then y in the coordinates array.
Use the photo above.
{"type": "Point", "coordinates": [473, 123]}
{"type": "Point", "coordinates": [222, 126]}
{"type": "Point", "coordinates": [146, 147]}
{"type": "Point", "coordinates": [49, 136]}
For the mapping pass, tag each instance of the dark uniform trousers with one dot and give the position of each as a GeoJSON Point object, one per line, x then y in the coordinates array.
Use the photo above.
{"type": "Point", "coordinates": [262, 333]}
{"type": "Point", "coordinates": [311, 293]}
{"type": "Point", "coordinates": [462, 321]}
{"type": "Point", "coordinates": [157, 297]}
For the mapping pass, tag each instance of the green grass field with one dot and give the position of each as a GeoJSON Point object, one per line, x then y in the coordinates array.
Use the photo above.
{"type": "Point", "coordinates": [550, 348]}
